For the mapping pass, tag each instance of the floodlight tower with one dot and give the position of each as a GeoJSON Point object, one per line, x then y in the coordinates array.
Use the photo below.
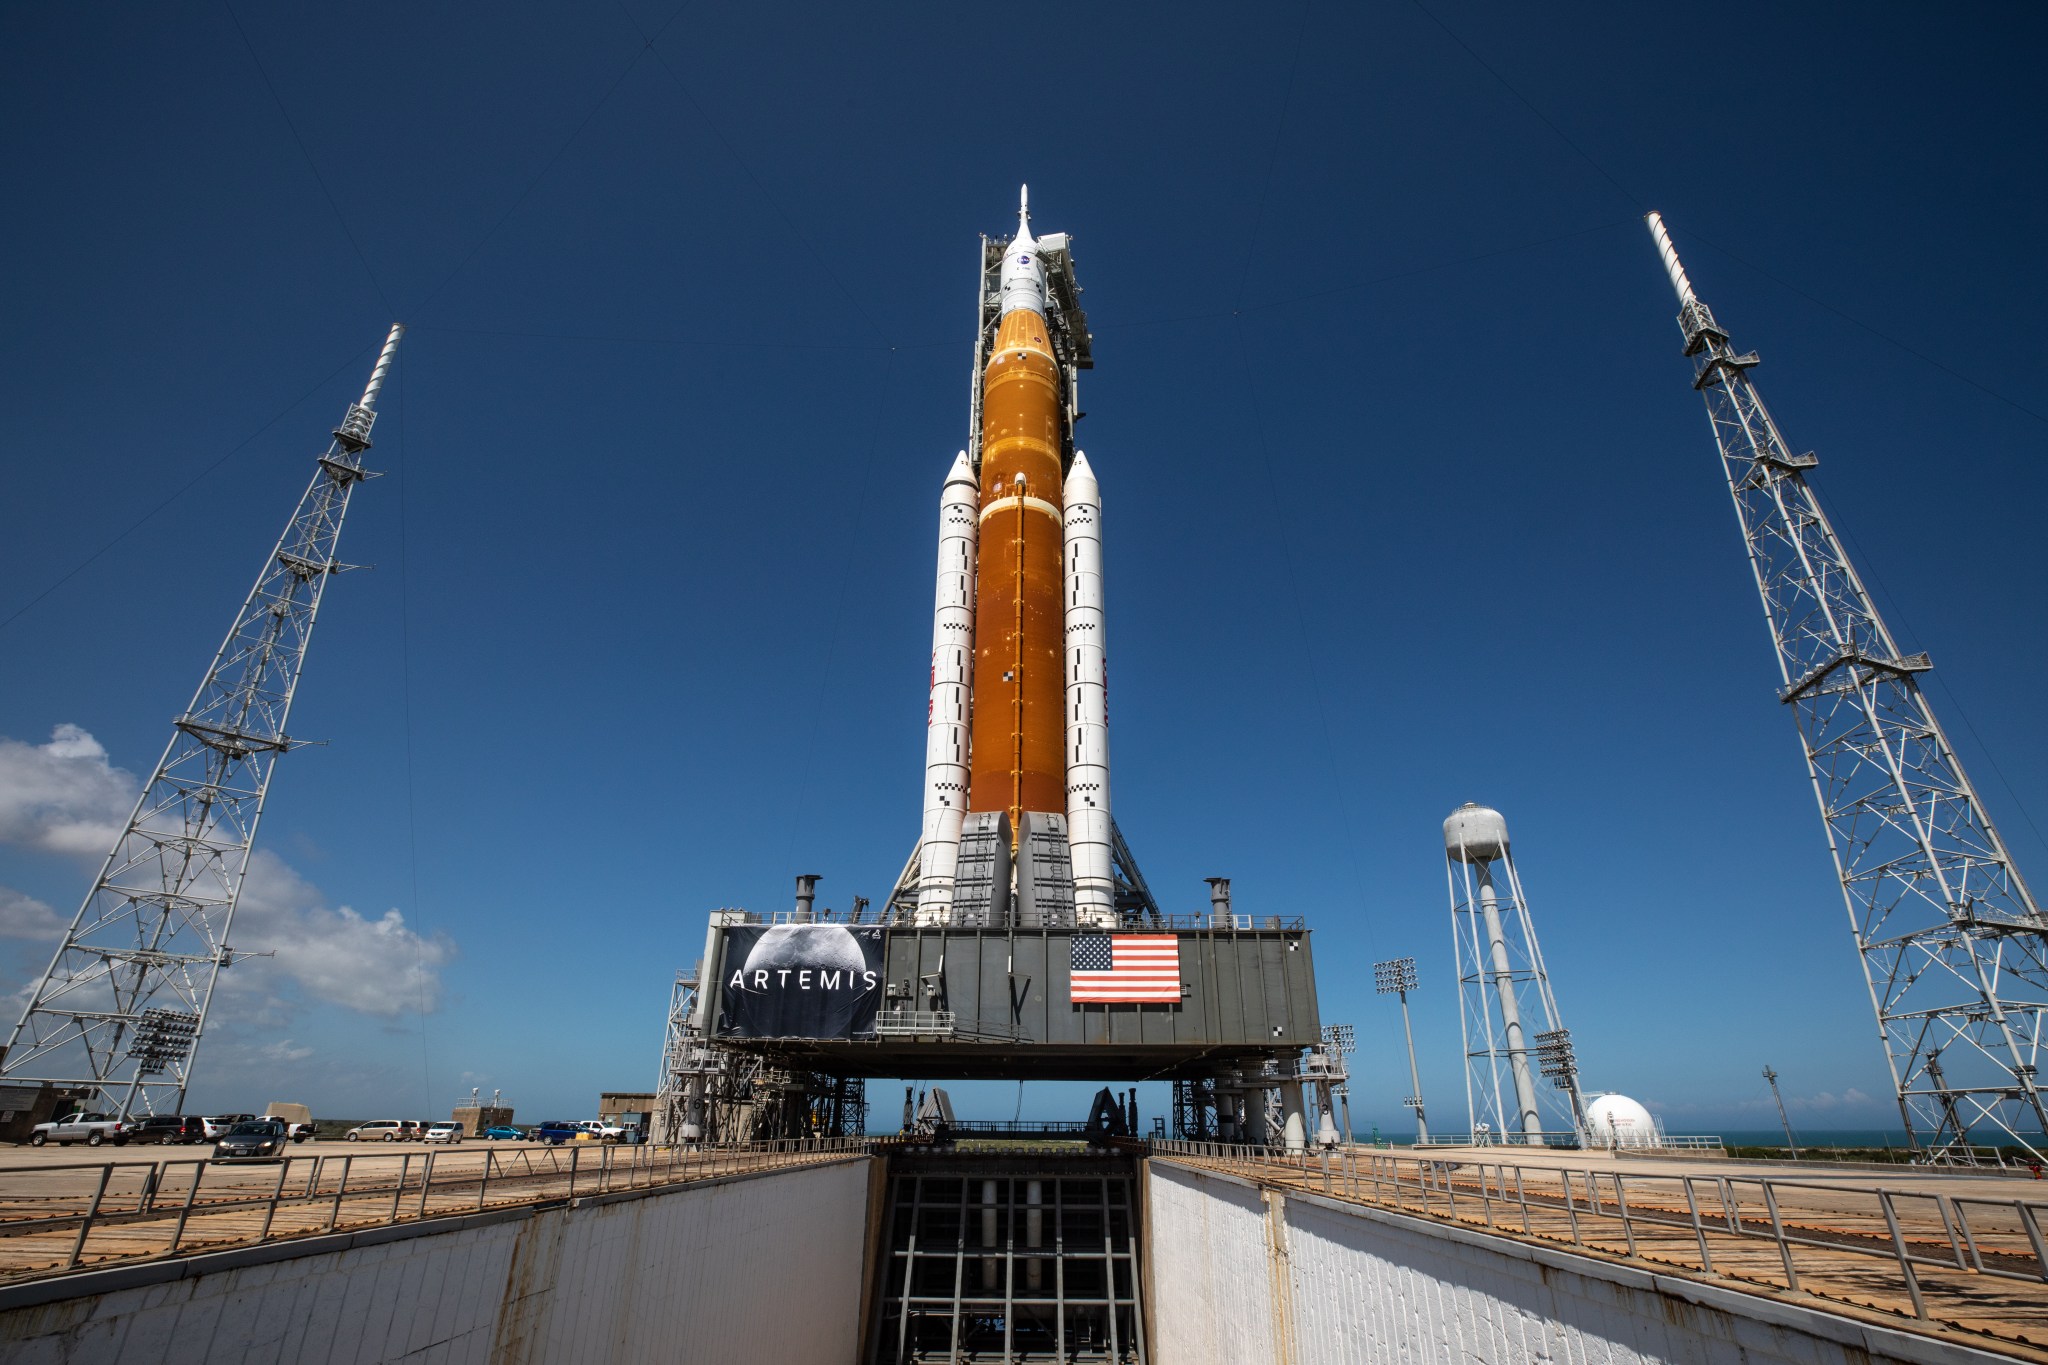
{"type": "Point", "coordinates": [120, 1011]}
{"type": "Point", "coordinates": [1951, 940]}
{"type": "Point", "coordinates": [1397, 977]}
{"type": "Point", "coordinates": [1503, 989]}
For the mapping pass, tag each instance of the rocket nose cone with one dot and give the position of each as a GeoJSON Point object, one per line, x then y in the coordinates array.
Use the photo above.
{"type": "Point", "coordinates": [961, 469]}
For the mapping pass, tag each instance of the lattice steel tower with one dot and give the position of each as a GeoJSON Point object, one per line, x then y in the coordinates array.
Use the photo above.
{"type": "Point", "coordinates": [1950, 938]}
{"type": "Point", "coordinates": [122, 1007]}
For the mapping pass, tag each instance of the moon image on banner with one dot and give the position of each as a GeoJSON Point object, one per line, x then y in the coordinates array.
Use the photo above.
{"type": "Point", "coordinates": [800, 981]}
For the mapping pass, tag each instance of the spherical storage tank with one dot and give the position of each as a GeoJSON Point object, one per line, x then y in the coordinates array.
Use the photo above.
{"type": "Point", "coordinates": [1475, 833]}
{"type": "Point", "coordinates": [1618, 1121]}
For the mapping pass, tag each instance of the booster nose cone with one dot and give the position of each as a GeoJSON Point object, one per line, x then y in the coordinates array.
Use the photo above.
{"type": "Point", "coordinates": [1081, 486]}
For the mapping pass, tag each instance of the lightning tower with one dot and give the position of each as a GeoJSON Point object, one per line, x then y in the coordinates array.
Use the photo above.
{"type": "Point", "coordinates": [1950, 938]}
{"type": "Point", "coordinates": [120, 1011]}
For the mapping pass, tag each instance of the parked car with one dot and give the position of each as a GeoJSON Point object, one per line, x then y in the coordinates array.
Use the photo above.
{"type": "Point", "coordinates": [378, 1130]}
{"type": "Point", "coordinates": [253, 1140]}
{"type": "Point", "coordinates": [90, 1129]}
{"type": "Point", "coordinates": [298, 1132]}
{"type": "Point", "coordinates": [555, 1132]}
{"type": "Point", "coordinates": [218, 1125]}
{"type": "Point", "coordinates": [601, 1130]}
{"type": "Point", "coordinates": [504, 1133]}
{"type": "Point", "coordinates": [170, 1128]}
{"type": "Point", "coordinates": [443, 1132]}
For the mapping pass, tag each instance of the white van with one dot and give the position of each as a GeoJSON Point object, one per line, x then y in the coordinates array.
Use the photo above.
{"type": "Point", "coordinates": [381, 1130]}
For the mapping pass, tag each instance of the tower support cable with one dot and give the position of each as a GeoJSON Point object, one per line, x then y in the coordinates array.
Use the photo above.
{"type": "Point", "coordinates": [1953, 945]}
{"type": "Point", "coordinates": [120, 1012]}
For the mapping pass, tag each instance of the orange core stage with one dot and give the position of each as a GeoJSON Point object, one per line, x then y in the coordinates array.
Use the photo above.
{"type": "Point", "coordinates": [1018, 751]}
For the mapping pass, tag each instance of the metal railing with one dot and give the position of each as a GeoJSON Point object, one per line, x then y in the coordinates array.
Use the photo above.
{"type": "Point", "coordinates": [1566, 1138]}
{"type": "Point", "coordinates": [60, 1218]}
{"type": "Point", "coordinates": [1134, 921]}
{"type": "Point", "coordinates": [1021, 1127]}
{"type": "Point", "coordinates": [1553, 1140]}
{"type": "Point", "coordinates": [1804, 1236]}
{"type": "Point", "coordinates": [890, 1023]}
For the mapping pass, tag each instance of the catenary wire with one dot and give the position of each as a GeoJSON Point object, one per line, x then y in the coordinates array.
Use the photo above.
{"type": "Point", "coordinates": [1529, 104]}
{"type": "Point", "coordinates": [412, 837]}
{"type": "Point", "coordinates": [609, 339]}
{"type": "Point", "coordinates": [1251, 244]}
{"type": "Point", "coordinates": [1690, 234]}
{"type": "Point", "coordinates": [1866, 567]}
{"type": "Point", "coordinates": [854, 532]}
{"type": "Point", "coordinates": [187, 486]}
{"type": "Point", "coordinates": [311, 164]}
{"type": "Point", "coordinates": [704, 117]}
{"type": "Point", "coordinates": [549, 164]}
{"type": "Point", "coordinates": [1295, 598]}
{"type": "Point", "coordinates": [1302, 637]}
{"type": "Point", "coordinates": [1693, 235]}
{"type": "Point", "coordinates": [476, 247]}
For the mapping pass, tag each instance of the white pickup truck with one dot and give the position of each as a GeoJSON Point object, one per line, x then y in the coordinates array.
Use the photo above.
{"type": "Point", "coordinates": [601, 1131]}
{"type": "Point", "coordinates": [295, 1130]}
{"type": "Point", "coordinates": [90, 1129]}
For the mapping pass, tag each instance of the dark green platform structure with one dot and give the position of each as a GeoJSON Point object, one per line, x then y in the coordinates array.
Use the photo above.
{"type": "Point", "coordinates": [972, 1003]}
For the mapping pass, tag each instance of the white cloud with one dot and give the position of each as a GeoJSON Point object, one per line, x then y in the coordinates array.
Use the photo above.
{"type": "Point", "coordinates": [63, 796]}
{"type": "Point", "coordinates": [284, 1050]}
{"type": "Point", "coordinates": [378, 966]}
{"type": "Point", "coordinates": [1762, 1111]}
{"type": "Point", "coordinates": [23, 916]}
{"type": "Point", "coordinates": [1827, 1100]}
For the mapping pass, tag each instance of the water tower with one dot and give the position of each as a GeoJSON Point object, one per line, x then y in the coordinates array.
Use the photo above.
{"type": "Point", "coordinates": [1515, 1041]}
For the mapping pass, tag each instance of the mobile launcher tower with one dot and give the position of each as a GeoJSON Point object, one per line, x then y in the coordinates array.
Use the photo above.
{"type": "Point", "coordinates": [1020, 940]}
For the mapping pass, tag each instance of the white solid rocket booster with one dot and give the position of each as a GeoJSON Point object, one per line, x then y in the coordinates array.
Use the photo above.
{"type": "Point", "coordinates": [1087, 689]}
{"type": "Point", "coordinates": [945, 747]}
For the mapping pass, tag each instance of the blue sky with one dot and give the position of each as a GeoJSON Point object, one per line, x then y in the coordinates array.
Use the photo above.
{"type": "Point", "coordinates": [1407, 499]}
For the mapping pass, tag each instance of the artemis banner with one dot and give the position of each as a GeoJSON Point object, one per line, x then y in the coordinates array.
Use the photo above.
{"type": "Point", "coordinates": [800, 981]}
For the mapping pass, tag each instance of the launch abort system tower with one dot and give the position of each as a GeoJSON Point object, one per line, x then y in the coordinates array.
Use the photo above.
{"type": "Point", "coordinates": [1021, 941]}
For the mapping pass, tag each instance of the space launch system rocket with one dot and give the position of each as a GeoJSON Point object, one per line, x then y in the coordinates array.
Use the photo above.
{"type": "Point", "coordinates": [1017, 733]}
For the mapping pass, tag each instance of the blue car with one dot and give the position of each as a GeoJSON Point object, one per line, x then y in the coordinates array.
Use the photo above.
{"type": "Point", "coordinates": [504, 1134]}
{"type": "Point", "coordinates": [556, 1132]}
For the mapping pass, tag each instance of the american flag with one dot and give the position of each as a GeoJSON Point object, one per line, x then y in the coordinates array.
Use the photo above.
{"type": "Point", "coordinates": [1126, 968]}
